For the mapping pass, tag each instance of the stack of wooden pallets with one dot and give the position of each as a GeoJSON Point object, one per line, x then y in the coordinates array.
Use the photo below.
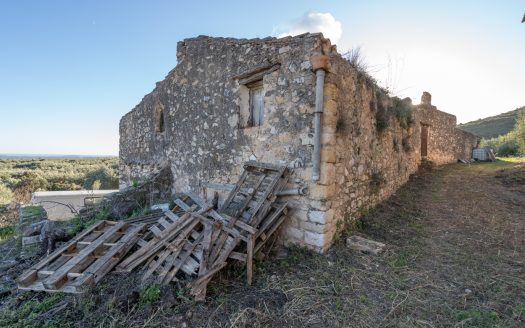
{"type": "Point", "coordinates": [193, 240]}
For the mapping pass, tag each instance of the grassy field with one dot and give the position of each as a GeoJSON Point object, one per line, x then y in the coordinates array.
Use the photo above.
{"type": "Point", "coordinates": [454, 258]}
{"type": "Point", "coordinates": [20, 177]}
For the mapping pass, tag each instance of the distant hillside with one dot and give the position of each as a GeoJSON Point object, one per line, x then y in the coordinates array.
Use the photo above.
{"type": "Point", "coordinates": [493, 126]}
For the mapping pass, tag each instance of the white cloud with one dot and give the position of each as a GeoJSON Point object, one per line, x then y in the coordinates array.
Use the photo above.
{"type": "Point", "coordinates": [312, 22]}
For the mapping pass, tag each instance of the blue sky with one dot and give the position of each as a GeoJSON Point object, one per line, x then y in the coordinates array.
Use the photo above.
{"type": "Point", "coordinates": [70, 69]}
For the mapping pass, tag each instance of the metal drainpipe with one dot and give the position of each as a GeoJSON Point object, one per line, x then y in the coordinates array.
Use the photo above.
{"type": "Point", "coordinates": [319, 94]}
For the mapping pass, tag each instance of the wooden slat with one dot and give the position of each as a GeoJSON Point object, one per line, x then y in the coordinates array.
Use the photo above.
{"type": "Point", "coordinates": [30, 275]}
{"type": "Point", "coordinates": [57, 279]}
{"type": "Point", "coordinates": [182, 204]}
{"type": "Point", "coordinates": [249, 260]}
{"type": "Point", "coordinates": [105, 263]}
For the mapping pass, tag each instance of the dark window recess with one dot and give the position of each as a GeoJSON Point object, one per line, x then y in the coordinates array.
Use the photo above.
{"type": "Point", "coordinates": [159, 120]}
{"type": "Point", "coordinates": [256, 103]}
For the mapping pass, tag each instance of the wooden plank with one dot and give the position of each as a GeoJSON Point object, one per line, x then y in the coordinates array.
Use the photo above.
{"type": "Point", "coordinates": [246, 227]}
{"type": "Point", "coordinates": [182, 259]}
{"type": "Point", "coordinates": [208, 231]}
{"type": "Point", "coordinates": [238, 256]}
{"type": "Point", "coordinates": [174, 217]}
{"type": "Point", "coordinates": [30, 275]}
{"type": "Point", "coordinates": [164, 223]}
{"type": "Point", "coordinates": [272, 230]}
{"type": "Point", "coordinates": [268, 221]}
{"type": "Point", "coordinates": [265, 166]}
{"type": "Point", "coordinates": [157, 245]}
{"type": "Point", "coordinates": [234, 191]}
{"type": "Point", "coordinates": [104, 264]}
{"type": "Point", "coordinates": [57, 279]}
{"type": "Point", "coordinates": [182, 204]}
{"type": "Point", "coordinates": [249, 260]}
{"type": "Point", "coordinates": [249, 197]}
{"type": "Point", "coordinates": [156, 231]}
{"type": "Point", "coordinates": [135, 259]}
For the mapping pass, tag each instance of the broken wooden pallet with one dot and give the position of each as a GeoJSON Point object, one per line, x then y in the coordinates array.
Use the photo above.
{"type": "Point", "coordinates": [83, 260]}
{"type": "Point", "coordinates": [246, 209]}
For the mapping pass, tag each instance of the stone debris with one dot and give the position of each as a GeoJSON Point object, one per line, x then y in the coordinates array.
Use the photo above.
{"type": "Point", "coordinates": [364, 245]}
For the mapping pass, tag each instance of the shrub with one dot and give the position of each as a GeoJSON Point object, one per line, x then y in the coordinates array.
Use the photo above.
{"type": "Point", "coordinates": [509, 148]}
{"type": "Point", "coordinates": [149, 294]}
{"type": "Point", "coordinates": [403, 111]}
{"type": "Point", "coordinates": [6, 232]}
{"type": "Point", "coordinates": [377, 180]}
{"type": "Point", "coordinates": [102, 178]}
{"type": "Point", "coordinates": [6, 195]}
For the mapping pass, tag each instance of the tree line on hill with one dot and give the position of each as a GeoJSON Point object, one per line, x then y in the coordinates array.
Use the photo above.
{"type": "Point", "coordinates": [511, 143]}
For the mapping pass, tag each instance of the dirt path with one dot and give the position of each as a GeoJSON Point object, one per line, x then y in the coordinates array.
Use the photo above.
{"type": "Point", "coordinates": [455, 257]}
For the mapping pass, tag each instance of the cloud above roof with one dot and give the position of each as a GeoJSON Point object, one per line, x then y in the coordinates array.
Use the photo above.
{"type": "Point", "coordinates": [312, 22]}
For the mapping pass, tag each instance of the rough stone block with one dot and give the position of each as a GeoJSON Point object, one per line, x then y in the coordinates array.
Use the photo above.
{"type": "Point", "coordinates": [317, 216]}
{"type": "Point", "coordinates": [322, 192]}
{"type": "Point", "coordinates": [321, 217]}
{"type": "Point", "coordinates": [328, 139]}
{"type": "Point", "coordinates": [313, 227]}
{"type": "Point", "coordinates": [314, 239]}
{"type": "Point", "coordinates": [364, 245]}
{"type": "Point", "coordinates": [330, 108]}
{"type": "Point", "coordinates": [327, 174]}
{"type": "Point", "coordinates": [328, 155]}
{"type": "Point", "coordinates": [31, 240]}
{"type": "Point", "coordinates": [294, 233]}
{"type": "Point", "coordinates": [320, 205]}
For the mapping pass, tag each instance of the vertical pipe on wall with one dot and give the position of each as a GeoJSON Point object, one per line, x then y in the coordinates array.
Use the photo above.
{"type": "Point", "coordinates": [319, 95]}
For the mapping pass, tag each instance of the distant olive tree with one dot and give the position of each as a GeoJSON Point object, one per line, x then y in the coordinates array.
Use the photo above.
{"type": "Point", "coordinates": [519, 130]}
{"type": "Point", "coordinates": [6, 195]}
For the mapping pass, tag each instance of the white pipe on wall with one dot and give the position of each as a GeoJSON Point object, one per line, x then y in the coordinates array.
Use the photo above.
{"type": "Point", "coordinates": [319, 95]}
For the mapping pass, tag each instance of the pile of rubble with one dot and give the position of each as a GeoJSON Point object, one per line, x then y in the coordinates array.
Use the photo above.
{"type": "Point", "coordinates": [192, 241]}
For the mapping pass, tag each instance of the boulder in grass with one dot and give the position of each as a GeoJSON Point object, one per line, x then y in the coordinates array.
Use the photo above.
{"type": "Point", "coordinates": [364, 245]}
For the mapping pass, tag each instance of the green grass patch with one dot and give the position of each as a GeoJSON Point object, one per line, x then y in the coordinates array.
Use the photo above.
{"type": "Point", "coordinates": [27, 315]}
{"type": "Point", "coordinates": [6, 232]}
{"type": "Point", "coordinates": [150, 294]}
{"type": "Point", "coordinates": [480, 318]}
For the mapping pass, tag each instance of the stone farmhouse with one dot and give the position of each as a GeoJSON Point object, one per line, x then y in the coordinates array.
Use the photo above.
{"type": "Point", "coordinates": [292, 101]}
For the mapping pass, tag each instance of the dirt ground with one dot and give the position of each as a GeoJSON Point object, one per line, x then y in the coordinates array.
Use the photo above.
{"type": "Point", "coordinates": [455, 257]}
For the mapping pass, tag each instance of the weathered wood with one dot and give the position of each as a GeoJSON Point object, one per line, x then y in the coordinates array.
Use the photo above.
{"type": "Point", "coordinates": [182, 204]}
{"type": "Point", "coordinates": [57, 279]}
{"type": "Point", "coordinates": [181, 260]}
{"type": "Point", "coordinates": [30, 275]}
{"type": "Point", "coordinates": [104, 264]}
{"type": "Point", "coordinates": [249, 260]}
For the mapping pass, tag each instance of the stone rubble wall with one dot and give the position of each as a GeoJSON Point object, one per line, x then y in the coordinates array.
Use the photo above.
{"type": "Point", "coordinates": [203, 141]}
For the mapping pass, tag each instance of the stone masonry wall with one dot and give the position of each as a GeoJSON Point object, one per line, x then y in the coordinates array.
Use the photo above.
{"type": "Point", "coordinates": [370, 163]}
{"type": "Point", "coordinates": [192, 122]}
{"type": "Point", "coordinates": [203, 140]}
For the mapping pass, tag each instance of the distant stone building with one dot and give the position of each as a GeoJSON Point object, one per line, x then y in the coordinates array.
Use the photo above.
{"type": "Point", "coordinates": [292, 101]}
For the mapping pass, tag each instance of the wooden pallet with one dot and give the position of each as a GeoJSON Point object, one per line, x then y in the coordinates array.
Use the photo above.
{"type": "Point", "coordinates": [192, 240]}
{"type": "Point", "coordinates": [249, 219]}
{"type": "Point", "coordinates": [84, 260]}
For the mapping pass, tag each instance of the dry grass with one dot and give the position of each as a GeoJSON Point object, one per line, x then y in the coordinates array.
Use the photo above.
{"type": "Point", "coordinates": [455, 258]}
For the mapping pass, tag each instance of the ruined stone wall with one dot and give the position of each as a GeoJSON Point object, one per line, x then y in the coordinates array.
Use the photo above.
{"type": "Point", "coordinates": [193, 123]}
{"type": "Point", "coordinates": [465, 142]}
{"type": "Point", "coordinates": [200, 99]}
{"type": "Point", "coordinates": [371, 162]}
{"type": "Point", "coordinates": [203, 140]}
